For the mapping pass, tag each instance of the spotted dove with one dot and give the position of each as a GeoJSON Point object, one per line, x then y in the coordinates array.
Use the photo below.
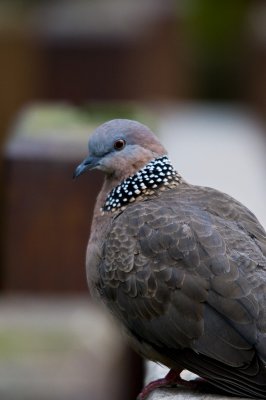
{"type": "Point", "coordinates": [183, 267]}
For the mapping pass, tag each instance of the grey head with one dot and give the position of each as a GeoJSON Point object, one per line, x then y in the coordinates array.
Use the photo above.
{"type": "Point", "coordinates": [120, 147]}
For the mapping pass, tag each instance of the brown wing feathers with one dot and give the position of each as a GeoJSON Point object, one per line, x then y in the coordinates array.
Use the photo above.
{"type": "Point", "coordinates": [180, 282]}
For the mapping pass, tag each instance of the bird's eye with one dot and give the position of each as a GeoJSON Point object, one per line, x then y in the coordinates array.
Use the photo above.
{"type": "Point", "coordinates": [119, 144]}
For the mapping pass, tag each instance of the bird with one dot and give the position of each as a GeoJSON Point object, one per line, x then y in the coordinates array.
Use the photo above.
{"type": "Point", "coordinates": [181, 267]}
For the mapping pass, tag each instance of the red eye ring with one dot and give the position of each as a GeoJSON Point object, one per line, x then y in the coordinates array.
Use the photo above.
{"type": "Point", "coordinates": [119, 144]}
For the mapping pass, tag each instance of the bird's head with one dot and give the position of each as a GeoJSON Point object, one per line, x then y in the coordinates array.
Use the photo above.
{"type": "Point", "coordinates": [120, 148]}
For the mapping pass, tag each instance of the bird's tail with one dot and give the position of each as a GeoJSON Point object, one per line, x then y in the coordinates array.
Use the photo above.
{"type": "Point", "coordinates": [248, 381]}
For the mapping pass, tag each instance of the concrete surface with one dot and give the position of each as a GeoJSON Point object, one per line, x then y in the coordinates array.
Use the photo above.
{"type": "Point", "coordinates": [155, 371]}
{"type": "Point", "coordinates": [58, 349]}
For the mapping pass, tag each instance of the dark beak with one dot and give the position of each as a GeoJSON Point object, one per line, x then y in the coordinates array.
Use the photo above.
{"type": "Point", "coordinates": [89, 163]}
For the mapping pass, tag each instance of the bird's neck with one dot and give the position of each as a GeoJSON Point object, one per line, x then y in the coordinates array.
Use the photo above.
{"type": "Point", "coordinates": [158, 174]}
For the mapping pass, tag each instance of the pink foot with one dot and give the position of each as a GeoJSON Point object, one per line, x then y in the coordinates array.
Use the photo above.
{"type": "Point", "coordinates": [173, 378]}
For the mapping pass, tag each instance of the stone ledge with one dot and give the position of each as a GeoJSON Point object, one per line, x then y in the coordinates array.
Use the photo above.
{"type": "Point", "coordinates": [154, 371]}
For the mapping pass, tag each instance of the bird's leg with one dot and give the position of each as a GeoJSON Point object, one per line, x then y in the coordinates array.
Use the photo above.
{"type": "Point", "coordinates": [172, 378]}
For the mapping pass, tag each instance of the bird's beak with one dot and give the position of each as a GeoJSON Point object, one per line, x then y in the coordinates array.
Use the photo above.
{"type": "Point", "coordinates": [89, 163]}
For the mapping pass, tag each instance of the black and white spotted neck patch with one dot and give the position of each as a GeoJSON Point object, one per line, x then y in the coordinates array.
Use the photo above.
{"type": "Point", "coordinates": [156, 173]}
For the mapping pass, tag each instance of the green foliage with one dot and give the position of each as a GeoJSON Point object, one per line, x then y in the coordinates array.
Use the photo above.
{"type": "Point", "coordinates": [216, 25]}
{"type": "Point", "coordinates": [20, 342]}
{"type": "Point", "coordinates": [68, 121]}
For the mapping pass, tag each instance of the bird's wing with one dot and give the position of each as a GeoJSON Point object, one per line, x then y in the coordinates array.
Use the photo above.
{"type": "Point", "coordinates": [179, 274]}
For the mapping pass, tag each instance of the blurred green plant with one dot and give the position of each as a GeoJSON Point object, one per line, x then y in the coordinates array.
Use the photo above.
{"type": "Point", "coordinates": [216, 32]}
{"type": "Point", "coordinates": [18, 342]}
{"type": "Point", "coordinates": [44, 120]}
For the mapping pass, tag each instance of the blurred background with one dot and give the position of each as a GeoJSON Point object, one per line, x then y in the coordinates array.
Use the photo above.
{"type": "Point", "coordinates": [195, 72]}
